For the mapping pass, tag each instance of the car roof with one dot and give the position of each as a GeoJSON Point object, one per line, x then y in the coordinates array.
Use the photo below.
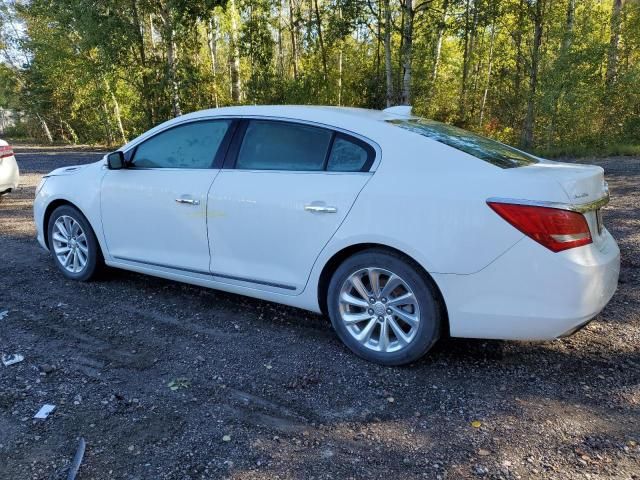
{"type": "Point", "coordinates": [367, 122]}
{"type": "Point", "coordinates": [300, 112]}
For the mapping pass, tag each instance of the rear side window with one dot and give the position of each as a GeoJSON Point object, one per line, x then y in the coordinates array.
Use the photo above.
{"type": "Point", "coordinates": [490, 151]}
{"type": "Point", "coordinates": [349, 155]}
{"type": "Point", "coordinates": [193, 145]}
{"type": "Point", "coordinates": [271, 145]}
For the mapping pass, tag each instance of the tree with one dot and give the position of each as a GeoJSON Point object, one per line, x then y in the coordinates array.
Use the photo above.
{"type": "Point", "coordinates": [542, 74]}
{"type": "Point", "coordinates": [614, 42]}
{"type": "Point", "coordinates": [529, 121]}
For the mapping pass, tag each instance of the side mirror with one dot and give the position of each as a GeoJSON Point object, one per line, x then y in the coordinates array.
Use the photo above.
{"type": "Point", "coordinates": [115, 160]}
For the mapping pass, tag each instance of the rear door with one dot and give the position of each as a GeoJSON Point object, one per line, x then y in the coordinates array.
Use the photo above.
{"type": "Point", "coordinates": [287, 189]}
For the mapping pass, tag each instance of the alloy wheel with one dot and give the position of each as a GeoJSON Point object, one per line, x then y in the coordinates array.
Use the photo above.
{"type": "Point", "coordinates": [70, 244]}
{"type": "Point", "coordinates": [379, 309]}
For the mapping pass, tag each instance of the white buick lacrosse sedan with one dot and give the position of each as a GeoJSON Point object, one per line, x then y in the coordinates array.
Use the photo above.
{"type": "Point", "coordinates": [401, 229]}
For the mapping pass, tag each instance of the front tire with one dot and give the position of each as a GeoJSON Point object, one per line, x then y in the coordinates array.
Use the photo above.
{"type": "Point", "coordinates": [383, 308]}
{"type": "Point", "coordinates": [73, 244]}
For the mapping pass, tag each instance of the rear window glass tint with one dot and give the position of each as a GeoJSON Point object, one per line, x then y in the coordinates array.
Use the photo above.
{"type": "Point", "coordinates": [272, 145]}
{"type": "Point", "coordinates": [347, 156]}
{"type": "Point", "coordinates": [490, 151]}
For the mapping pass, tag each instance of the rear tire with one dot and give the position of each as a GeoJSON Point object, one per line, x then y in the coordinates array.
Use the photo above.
{"type": "Point", "coordinates": [383, 308]}
{"type": "Point", "coordinates": [73, 244]}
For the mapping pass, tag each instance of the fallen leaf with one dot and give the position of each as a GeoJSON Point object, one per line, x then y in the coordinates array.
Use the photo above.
{"type": "Point", "coordinates": [476, 424]}
{"type": "Point", "coordinates": [484, 452]}
{"type": "Point", "coordinates": [178, 383]}
{"type": "Point", "coordinates": [226, 438]}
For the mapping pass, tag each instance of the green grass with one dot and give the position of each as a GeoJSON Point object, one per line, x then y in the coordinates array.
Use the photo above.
{"type": "Point", "coordinates": [590, 150]}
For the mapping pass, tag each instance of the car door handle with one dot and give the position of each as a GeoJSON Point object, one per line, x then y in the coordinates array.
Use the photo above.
{"type": "Point", "coordinates": [320, 209]}
{"type": "Point", "coordinates": [188, 201]}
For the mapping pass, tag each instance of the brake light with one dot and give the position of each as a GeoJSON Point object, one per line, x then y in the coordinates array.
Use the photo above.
{"type": "Point", "coordinates": [553, 228]}
{"type": "Point", "coordinates": [6, 151]}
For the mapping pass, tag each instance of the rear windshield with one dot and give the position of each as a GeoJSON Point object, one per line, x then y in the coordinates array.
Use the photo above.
{"type": "Point", "coordinates": [490, 151]}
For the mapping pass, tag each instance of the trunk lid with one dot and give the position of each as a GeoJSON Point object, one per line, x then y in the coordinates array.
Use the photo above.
{"type": "Point", "coordinates": [581, 183]}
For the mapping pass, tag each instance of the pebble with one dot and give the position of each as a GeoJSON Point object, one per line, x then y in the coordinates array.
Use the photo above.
{"type": "Point", "coordinates": [480, 471]}
{"type": "Point", "coordinates": [47, 369]}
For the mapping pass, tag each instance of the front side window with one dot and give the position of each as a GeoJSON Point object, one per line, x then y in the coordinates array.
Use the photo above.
{"type": "Point", "coordinates": [193, 145]}
{"type": "Point", "coordinates": [490, 151]}
{"type": "Point", "coordinates": [273, 145]}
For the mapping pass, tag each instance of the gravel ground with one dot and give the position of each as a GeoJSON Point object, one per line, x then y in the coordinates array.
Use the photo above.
{"type": "Point", "coordinates": [263, 391]}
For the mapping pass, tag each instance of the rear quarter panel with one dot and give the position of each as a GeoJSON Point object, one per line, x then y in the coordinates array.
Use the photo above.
{"type": "Point", "coordinates": [428, 200]}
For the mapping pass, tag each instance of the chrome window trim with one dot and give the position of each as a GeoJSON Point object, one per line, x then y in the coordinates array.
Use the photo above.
{"type": "Point", "coordinates": [152, 132]}
{"type": "Point", "coordinates": [147, 135]}
{"type": "Point", "coordinates": [579, 208]}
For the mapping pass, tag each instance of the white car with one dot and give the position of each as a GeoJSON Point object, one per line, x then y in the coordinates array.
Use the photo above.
{"type": "Point", "coordinates": [9, 172]}
{"type": "Point", "coordinates": [401, 229]}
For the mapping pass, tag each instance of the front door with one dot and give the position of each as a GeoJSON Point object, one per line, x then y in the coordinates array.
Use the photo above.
{"type": "Point", "coordinates": [155, 211]}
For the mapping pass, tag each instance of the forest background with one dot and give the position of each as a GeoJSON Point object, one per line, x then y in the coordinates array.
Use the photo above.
{"type": "Point", "coordinates": [559, 77]}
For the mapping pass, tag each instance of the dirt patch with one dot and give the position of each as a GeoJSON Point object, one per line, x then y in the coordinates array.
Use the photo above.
{"type": "Point", "coordinates": [265, 391]}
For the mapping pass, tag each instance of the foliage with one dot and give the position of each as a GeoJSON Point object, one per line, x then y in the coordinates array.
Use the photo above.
{"type": "Point", "coordinates": [106, 70]}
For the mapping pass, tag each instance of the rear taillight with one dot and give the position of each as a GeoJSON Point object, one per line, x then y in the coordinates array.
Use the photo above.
{"type": "Point", "coordinates": [554, 228]}
{"type": "Point", "coordinates": [6, 151]}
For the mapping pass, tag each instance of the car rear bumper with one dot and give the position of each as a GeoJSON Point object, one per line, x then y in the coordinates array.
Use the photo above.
{"type": "Point", "coordinates": [9, 174]}
{"type": "Point", "coordinates": [530, 293]}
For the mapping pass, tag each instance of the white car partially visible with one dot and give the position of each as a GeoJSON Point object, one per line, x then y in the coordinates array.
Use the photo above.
{"type": "Point", "coordinates": [9, 172]}
{"type": "Point", "coordinates": [401, 229]}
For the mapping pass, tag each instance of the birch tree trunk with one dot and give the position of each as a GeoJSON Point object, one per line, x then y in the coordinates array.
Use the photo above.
{"type": "Point", "coordinates": [212, 42]}
{"type": "Point", "coordinates": [107, 124]}
{"type": "Point", "coordinates": [45, 128]}
{"type": "Point", "coordinates": [378, 37]}
{"type": "Point", "coordinates": [116, 111]}
{"type": "Point", "coordinates": [294, 41]}
{"type": "Point", "coordinates": [517, 37]}
{"type": "Point", "coordinates": [72, 132]}
{"type": "Point", "coordinates": [340, 55]}
{"type": "Point", "coordinates": [469, 47]}
{"type": "Point", "coordinates": [438, 44]}
{"type": "Point", "coordinates": [388, 69]}
{"type": "Point", "coordinates": [407, 51]}
{"type": "Point", "coordinates": [323, 52]}
{"type": "Point", "coordinates": [146, 95]}
{"type": "Point", "coordinates": [486, 88]}
{"type": "Point", "coordinates": [529, 121]}
{"type": "Point", "coordinates": [234, 59]}
{"type": "Point", "coordinates": [172, 59]}
{"type": "Point", "coordinates": [280, 42]}
{"type": "Point", "coordinates": [614, 42]}
{"type": "Point", "coordinates": [561, 68]}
